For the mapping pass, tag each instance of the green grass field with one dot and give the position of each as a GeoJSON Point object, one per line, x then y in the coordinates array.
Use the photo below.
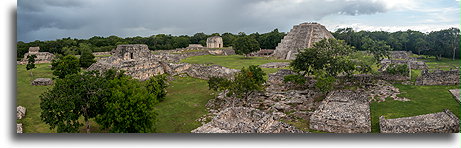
{"type": "Point", "coordinates": [28, 96]}
{"type": "Point", "coordinates": [443, 64]}
{"type": "Point", "coordinates": [424, 100]}
{"type": "Point", "coordinates": [184, 103]}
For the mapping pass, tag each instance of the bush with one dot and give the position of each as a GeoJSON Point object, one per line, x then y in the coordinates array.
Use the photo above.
{"type": "Point", "coordinates": [298, 79]}
{"type": "Point", "coordinates": [400, 69]}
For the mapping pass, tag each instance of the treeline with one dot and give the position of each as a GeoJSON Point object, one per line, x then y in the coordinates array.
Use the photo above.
{"type": "Point", "coordinates": [443, 43]}
{"type": "Point", "coordinates": [69, 46]}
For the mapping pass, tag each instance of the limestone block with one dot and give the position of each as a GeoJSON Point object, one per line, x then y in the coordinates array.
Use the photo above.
{"type": "Point", "coordinates": [20, 112]}
{"type": "Point", "coordinates": [42, 82]}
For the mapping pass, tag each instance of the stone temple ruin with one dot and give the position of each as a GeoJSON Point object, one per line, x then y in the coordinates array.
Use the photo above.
{"type": "Point", "coordinates": [343, 112]}
{"type": "Point", "coordinates": [245, 120]}
{"type": "Point", "coordinates": [441, 122]}
{"type": "Point", "coordinates": [139, 62]}
{"type": "Point", "coordinates": [301, 36]}
{"type": "Point", "coordinates": [42, 57]}
{"type": "Point", "coordinates": [214, 42]}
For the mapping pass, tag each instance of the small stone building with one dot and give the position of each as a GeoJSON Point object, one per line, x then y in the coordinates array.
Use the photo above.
{"type": "Point", "coordinates": [42, 57]}
{"type": "Point", "coordinates": [214, 42]}
{"type": "Point", "coordinates": [441, 122]}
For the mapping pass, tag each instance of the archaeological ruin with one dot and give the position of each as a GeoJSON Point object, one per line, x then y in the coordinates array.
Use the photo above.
{"type": "Point", "coordinates": [20, 112]}
{"type": "Point", "coordinates": [42, 57]}
{"type": "Point", "coordinates": [438, 77]}
{"type": "Point", "coordinates": [300, 37]}
{"type": "Point", "coordinates": [140, 63]}
{"type": "Point", "coordinates": [245, 120]}
{"type": "Point", "coordinates": [441, 122]}
{"type": "Point", "coordinates": [343, 112]}
{"type": "Point", "coordinates": [42, 82]}
{"type": "Point", "coordinates": [214, 42]}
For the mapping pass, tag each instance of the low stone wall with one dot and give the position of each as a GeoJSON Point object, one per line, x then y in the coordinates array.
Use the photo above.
{"type": "Point", "coordinates": [245, 120]}
{"type": "Point", "coordinates": [441, 122]}
{"type": "Point", "coordinates": [342, 111]}
{"type": "Point", "coordinates": [42, 82]}
{"type": "Point", "coordinates": [102, 53]}
{"type": "Point", "coordinates": [390, 77]}
{"type": "Point", "coordinates": [455, 93]}
{"type": "Point", "coordinates": [275, 65]}
{"type": "Point", "coordinates": [438, 77]}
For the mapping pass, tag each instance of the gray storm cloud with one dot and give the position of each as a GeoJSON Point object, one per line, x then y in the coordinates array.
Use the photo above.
{"type": "Point", "coordinates": [53, 19]}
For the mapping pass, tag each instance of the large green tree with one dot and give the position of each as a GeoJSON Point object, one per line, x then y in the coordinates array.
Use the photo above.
{"type": "Point", "coordinates": [75, 96]}
{"type": "Point", "coordinates": [129, 107]}
{"type": "Point", "coordinates": [325, 60]}
{"type": "Point", "coordinates": [65, 66]}
{"type": "Point", "coordinates": [86, 56]}
{"type": "Point", "coordinates": [245, 44]}
{"type": "Point", "coordinates": [379, 49]}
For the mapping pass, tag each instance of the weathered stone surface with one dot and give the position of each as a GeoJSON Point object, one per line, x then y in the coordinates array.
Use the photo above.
{"type": "Point", "coordinates": [301, 36]}
{"type": "Point", "coordinates": [137, 61]}
{"type": "Point", "coordinates": [42, 82]}
{"type": "Point", "coordinates": [275, 81]}
{"type": "Point", "coordinates": [214, 42]}
{"type": "Point", "coordinates": [19, 128]}
{"type": "Point", "coordinates": [42, 57]}
{"type": "Point", "coordinates": [343, 111]}
{"type": "Point", "coordinates": [20, 112]}
{"type": "Point", "coordinates": [455, 93]}
{"type": "Point", "coordinates": [441, 122]}
{"type": "Point", "coordinates": [382, 90]}
{"type": "Point", "coordinates": [275, 65]}
{"type": "Point", "coordinates": [101, 53]}
{"type": "Point", "coordinates": [245, 120]}
{"type": "Point", "coordinates": [438, 77]}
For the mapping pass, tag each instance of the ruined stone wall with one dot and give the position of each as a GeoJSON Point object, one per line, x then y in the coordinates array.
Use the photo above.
{"type": "Point", "coordinates": [301, 36]}
{"type": "Point", "coordinates": [102, 53]}
{"type": "Point", "coordinates": [438, 77]}
{"type": "Point", "coordinates": [441, 122]}
{"type": "Point", "coordinates": [42, 57]}
{"type": "Point", "coordinates": [342, 111]}
{"type": "Point", "coordinates": [245, 120]}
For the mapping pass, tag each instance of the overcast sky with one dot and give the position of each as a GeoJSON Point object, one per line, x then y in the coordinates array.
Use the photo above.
{"type": "Point", "coordinates": [55, 19]}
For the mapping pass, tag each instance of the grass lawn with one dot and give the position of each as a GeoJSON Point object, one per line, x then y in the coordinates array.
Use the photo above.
{"type": "Point", "coordinates": [184, 103]}
{"type": "Point", "coordinates": [424, 100]}
{"type": "Point", "coordinates": [28, 96]}
{"type": "Point", "coordinates": [231, 61]}
{"type": "Point", "coordinates": [443, 64]}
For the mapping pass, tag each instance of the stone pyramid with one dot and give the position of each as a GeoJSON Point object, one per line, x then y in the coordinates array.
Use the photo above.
{"type": "Point", "coordinates": [300, 37]}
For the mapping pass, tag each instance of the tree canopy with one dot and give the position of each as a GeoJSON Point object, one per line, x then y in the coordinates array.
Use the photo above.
{"type": "Point", "coordinates": [245, 45]}
{"type": "Point", "coordinates": [65, 66]}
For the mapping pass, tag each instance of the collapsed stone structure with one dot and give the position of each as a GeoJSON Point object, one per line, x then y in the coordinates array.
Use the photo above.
{"type": "Point", "coordinates": [301, 36]}
{"type": "Point", "coordinates": [42, 82]}
{"type": "Point", "coordinates": [275, 65]}
{"type": "Point", "coordinates": [455, 93]}
{"type": "Point", "coordinates": [20, 112]}
{"type": "Point", "coordinates": [19, 128]}
{"type": "Point", "coordinates": [214, 42]}
{"type": "Point", "coordinates": [138, 61]}
{"type": "Point", "coordinates": [195, 46]}
{"type": "Point", "coordinates": [438, 77]}
{"type": "Point", "coordinates": [343, 111]}
{"type": "Point", "coordinates": [42, 57]}
{"type": "Point", "coordinates": [441, 122]}
{"type": "Point", "coordinates": [245, 120]}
